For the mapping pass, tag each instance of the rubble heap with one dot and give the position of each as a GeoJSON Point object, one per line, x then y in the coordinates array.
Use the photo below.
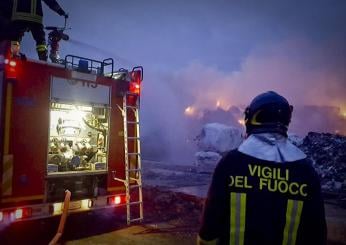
{"type": "Point", "coordinates": [164, 205]}
{"type": "Point", "coordinates": [328, 154]}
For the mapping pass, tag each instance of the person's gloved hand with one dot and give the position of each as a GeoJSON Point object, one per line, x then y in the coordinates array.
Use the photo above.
{"type": "Point", "coordinates": [61, 12]}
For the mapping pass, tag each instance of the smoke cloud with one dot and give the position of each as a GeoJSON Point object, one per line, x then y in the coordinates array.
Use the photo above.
{"type": "Point", "coordinates": [298, 69]}
{"type": "Point", "coordinates": [312, 77]}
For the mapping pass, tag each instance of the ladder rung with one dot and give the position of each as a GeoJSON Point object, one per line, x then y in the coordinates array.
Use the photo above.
{"type": "Point", "coordinates": [133, 138]}
{"type": "Point", "coordinates": [129, 93]}
{"type": "Point", "coordinates": [136, 203]}
{"type": "Point", "coordinates": [135, 186]}
{"type": "Point", "coordinates": [133, 153]}
{"type": "Point", "coordinates": [135, 179]}
{"type": "Point", "coordinates": [131, 107]}
{"type": "Point", "coordinates": [132, 122]}
{"type": "Point", "coordinates": [134, 169]}
{"type": "Point", "coordinates": [137, 219]}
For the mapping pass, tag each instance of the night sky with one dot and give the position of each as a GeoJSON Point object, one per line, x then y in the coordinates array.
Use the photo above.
{"type": "Point", "coordinates": [198, 52]}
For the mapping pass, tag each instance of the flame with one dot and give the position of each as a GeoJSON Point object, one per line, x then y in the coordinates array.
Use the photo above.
{"type": "Point", "coordinates": [223, 104]}
{"type": "Point", "coordinates": [218, 103]}
{"type": "Point", "coordinates": [189, 111]}
{"type": "Point", "coordinates": [241, 122]}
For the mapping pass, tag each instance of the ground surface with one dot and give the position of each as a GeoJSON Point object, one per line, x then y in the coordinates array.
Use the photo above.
{"type": "Point", "coordinates": [173, 197]}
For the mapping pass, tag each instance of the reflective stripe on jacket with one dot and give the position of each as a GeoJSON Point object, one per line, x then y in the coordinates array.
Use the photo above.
{"type": "Point", "coordinates": [28, 10]}
{"type": "Point", "coordinates": [31, 10]}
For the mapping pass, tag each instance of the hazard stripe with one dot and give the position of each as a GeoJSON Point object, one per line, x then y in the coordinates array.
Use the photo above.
{"type": "Point", "coordinates": [24, 198]}
{"type": "Point", "coordinates": [233, 217]}
{"type": "Point", "coordinates": [8, 111]}
{"type": "Point", "coordinates": [14, 8]}
{"type": "Point", "coordinates": [293, 214]}
{"type": "Point", "coordinates": [242, 217]}
{"type": "Point", "coordinates": [33, 7]}
{"type": "Point", "coordinates": [27, 17]}
{"type": "Point", "coordinates": [7, 166]}
{"type": "Point", "coordinates": [7, 161]}
{"type": "Point", "coordinates": [254, 118]}
{"type": "Point", "coordinates": [297, 221]}
{"type": "Point", "coordinates": [7, 187]}
{"type": "Point", "coordinates": [116, 188]}
{"type": "Point", "coordinates": [7, 175]}
{"type": "Point", "coordinates": [237, 218]}
{"type": "Point", "coordinates": [41, 47]}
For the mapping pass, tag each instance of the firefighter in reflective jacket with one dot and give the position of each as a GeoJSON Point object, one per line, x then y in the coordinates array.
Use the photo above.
{"type": "Point", "coordinates": [266, 191]}
{"type": "Point", "coordinates": [27, 16]}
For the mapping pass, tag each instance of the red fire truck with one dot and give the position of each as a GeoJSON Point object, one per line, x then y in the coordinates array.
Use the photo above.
{"type": "Point", "coordinates": [68, 127]}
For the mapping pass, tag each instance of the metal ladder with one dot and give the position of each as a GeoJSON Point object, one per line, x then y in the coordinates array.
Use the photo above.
{"type": "Point", "coordinates": [133, 175]}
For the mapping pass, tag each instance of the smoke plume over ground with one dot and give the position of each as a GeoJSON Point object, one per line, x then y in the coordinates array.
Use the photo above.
{"type": "Point", "coordinates": [312, 78]}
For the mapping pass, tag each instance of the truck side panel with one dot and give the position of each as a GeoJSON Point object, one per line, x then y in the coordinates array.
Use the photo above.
{"type": "Point", "coordinates": [116, 160]}
{"type": "Point", "coordinates": [29, 131]}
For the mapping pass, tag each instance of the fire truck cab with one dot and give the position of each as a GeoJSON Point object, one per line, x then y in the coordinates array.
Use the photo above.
{"type": "Point", "coordinates": [68, 127]}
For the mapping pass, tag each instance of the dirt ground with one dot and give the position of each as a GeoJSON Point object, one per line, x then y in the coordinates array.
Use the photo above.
{"type": "Point", "coordinates": [142, 234]}
{"type": "Point", "coordinates": [173, 218]}
{"type": "Point", "coordinates": [336, 223]}
{"type": "Point", "coordinates": [170, 218]}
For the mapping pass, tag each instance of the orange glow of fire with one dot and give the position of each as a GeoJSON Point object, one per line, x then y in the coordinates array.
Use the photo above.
{"type": "Point", "coordinates": [189, 111]}
{"type": "Point", "coordinates": [218, 103]}
{"type": "Point", "coordinates": [241, 122]}
{"type": "Point", "coordinates": [222, 104]}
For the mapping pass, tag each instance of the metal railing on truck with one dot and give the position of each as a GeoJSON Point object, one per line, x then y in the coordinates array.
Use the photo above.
{"type": "Point", "coordinates": [91, 66]}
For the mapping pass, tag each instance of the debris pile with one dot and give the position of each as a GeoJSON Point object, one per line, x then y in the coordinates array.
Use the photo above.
{"type": "Point", "coordinates": [163, 205]}
{"type": "Point", "coordinates": [207, 157]}
{"type": "Point", "coordinates": [295, 139]}
{"type": "Point", "coordinates": [328, 154]}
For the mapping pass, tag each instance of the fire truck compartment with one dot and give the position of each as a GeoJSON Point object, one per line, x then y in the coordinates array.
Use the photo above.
{"type": "Point", "coordinates": [83, 186]}
{"type": "Point", "coordinates": [78, 138]}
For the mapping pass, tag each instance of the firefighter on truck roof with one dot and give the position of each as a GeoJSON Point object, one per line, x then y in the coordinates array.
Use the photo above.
{"type": "Point", "coordinates": [266, 191]}
{"type": "Point", "coordinates": [27, 16]}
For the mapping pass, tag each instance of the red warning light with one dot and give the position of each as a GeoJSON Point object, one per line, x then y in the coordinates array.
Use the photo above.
{"type": "Point", "coordinates": [12, 63]}
{"type": "Point", "coordinates": [21, 213]}
{"type": "Point", "coordinates": [116, 200]}
{"type": "Point", "coordinates": [135, 86]}
{"type": "Point", "coordinates": [10, 68]}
